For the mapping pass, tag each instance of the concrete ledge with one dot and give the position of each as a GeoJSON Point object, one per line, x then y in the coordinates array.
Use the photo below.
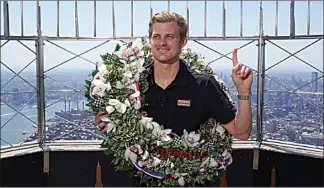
{"type": "Point", "coordinates": [85, 145]}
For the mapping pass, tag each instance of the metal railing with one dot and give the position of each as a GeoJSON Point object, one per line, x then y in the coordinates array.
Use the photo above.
{"type": "Point", "coordinates": [261, 39]}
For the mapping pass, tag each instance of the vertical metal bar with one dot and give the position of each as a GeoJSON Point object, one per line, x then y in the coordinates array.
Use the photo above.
{"type": "Point", "coordinates": [292, 18]}
{"type": "Point", "coordinates": [224, 20]}
{"type": "Point", "coordinates": [261, 74]}
{"type": "Point", "coordinates": [76, 19]}
{"type": "Point", "coordinates": [276, 21]}
{"type": "Point", "coordinates": [188, 18]}
{"type": "Point", "coordinates": [241, 18]}
{"type": "Point", "coordinates": [6, 18]}
{"type": "Point", "coordinates": [169, 5]}
{"type": "Point", "coordinates": [256, 157]}
{"type": "Point", "coordinates": [132, 18]}
{"type": "Point", "coordinates": [37, 13]}
{"type": "Point", "coordinates": [113, 18]}
{"type": "Point", "coordinates": [308, 17]}
{"type": "Point", "coordinates": [205, 20]}
{"type": "Point", "coordinates": [260, 90]}
{"type": "Point", "coordinates": [151, 10]}
{"type": "Point", "coordinates": [22, 17]}
{"type": "Point", "coordinates": [40, 81]}
{"type": "Point", "coordinates": [46, 162]}
{"type": "Point", "coordinates": [41, 92]}
{"type": "Point", "coordinates": [95, 18]}
{"type": "Point", "coordinates": [58, 18]}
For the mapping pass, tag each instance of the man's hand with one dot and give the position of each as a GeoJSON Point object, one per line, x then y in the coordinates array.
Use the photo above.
{"type": "Point", "coordinates": [101, 125]}
{"type": "Point", "coordinates": [242, 76]}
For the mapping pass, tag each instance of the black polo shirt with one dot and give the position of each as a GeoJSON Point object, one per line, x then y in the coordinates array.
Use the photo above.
{"type": "Point", "coordinates": [190, 100]}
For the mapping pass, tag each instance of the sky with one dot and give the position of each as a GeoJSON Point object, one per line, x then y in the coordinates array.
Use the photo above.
{"type": "Point", "coordinates": [16, 56]}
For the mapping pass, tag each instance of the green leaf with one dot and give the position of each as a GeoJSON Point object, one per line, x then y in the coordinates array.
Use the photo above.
{"type": "Point", "coordinates": [94, 73]}
{"type": "Point", "coordinates": [88, 82]}
{"type": "Point", "coordinates": [117, 47]}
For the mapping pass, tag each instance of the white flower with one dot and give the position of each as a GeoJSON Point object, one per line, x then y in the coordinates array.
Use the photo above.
{"type": "Point", "coordinates": [130, 155]}
{"type": "Point", "coordinates": [147, 44]}
{"type": "Point", "coordinates": [100, 88]}
{"type": "Point", "coordinates": [146, 154]}
{"type": "Point", "coordinates": [136, 148]}
{"type": "Point", "coordinates": [129, 52]}
{"type": "Point", "coordinates": [127, 103]}
{"type": "Point", "coordinates": [211, 162]}
{"type": "Point", "coordinates": [146, 122]}
{"type": "Point", "coordinates": [134, 100]}
{"type": "Point", "coordinates": [119, 85]}
{"type": "Point", "coordinates": [132, 152]}
{"type": "Point", "coordinates": [150, 162]}
{"type": "Point", "coordinates": [126, 80]}
{"type": "Point", "coordinates": [110, 127]}
{"type": "Point", "coordinates": [105, 119]}
{"type": "Point", "coordinates": [138, 43]}
{"type": "Point", "coordinates": [161, 134]}
{"type": "Point", "coordinates": [191, 140]}
{"type": "Point", "coordinates": [226, 154]}
{"type": "Point", "coordinates": [102, 71]}
{"type": "Point", "coordinates": [120, 53]}
{"type": "Point", "coordinates": [220, 129]}
{"type": "Point", "coordinates": [117, 105]}
{"type": "Point", "coordinates": [128, 74]}
{"type": "Point", "coordinates": [99, 76]}
{"type": "Point", "coordinates": [136, 67]}
{"type": "Point", "coordinates": [102, 68]}
{"type": "Point", "coordinates": [110, 109]}
{"type": "Point", "coordinates": [181, 181]}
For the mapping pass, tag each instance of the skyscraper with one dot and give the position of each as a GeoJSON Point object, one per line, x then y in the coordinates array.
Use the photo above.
{"type": "Point", "coordinates": [314, 83]}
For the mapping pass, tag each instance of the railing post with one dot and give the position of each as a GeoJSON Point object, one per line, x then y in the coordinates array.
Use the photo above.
{"type": "Point", "coordinates": [40, 81]}
{"type": "Point", "coordinates": [6, 19]}
{"type": "Point", "coordinates": [41, 92]}
{"type": "Point", "coordinates": [260, 90]}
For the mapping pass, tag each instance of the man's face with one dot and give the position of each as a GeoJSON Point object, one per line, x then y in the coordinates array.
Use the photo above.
{"type": "Point", "coordinates": [165, 42]}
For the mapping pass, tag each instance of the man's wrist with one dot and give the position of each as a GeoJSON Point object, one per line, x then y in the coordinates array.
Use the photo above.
{"type": "Point", "coordinates": [246, 91]}
{"type": "Point", "coordinates": [244, 94]}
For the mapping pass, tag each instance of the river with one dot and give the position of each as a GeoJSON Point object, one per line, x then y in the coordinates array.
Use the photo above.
{"type": "Point", "coordinates": [19, 127]}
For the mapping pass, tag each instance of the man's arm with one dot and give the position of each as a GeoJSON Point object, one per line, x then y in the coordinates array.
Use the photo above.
{"type": "Point", "coordinates": [237, 122]}
{"type": "Point", "coordinates": [241, 126]}
{"type": "Point", "coordinates": [242, 77]}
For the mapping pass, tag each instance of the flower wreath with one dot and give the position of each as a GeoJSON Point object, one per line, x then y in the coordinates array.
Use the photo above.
{"type": "Point", "coordinates": [117, 87]}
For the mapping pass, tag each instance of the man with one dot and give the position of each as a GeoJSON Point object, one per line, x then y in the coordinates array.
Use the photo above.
{"type": "Point", "coordinates": [179, 98]}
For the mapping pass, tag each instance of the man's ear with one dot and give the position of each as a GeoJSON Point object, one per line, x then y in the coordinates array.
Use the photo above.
{"type": "Point", "coordinates": [184, 41]}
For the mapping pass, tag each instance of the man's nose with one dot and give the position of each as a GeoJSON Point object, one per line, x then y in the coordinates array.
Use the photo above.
{"type": "Point", "coordinates": [163, 41]}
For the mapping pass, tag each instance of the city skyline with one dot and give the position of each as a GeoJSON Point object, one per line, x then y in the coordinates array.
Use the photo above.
{"type": "Point", "coordinates": [284, 113]}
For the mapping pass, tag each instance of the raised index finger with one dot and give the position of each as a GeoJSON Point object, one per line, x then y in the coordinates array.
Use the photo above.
{"type": "Point", "coordinates": [234, 59]}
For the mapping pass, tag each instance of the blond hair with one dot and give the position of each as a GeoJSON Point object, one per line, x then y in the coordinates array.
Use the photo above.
{"type": "Point", "coordinates": [167, 16]}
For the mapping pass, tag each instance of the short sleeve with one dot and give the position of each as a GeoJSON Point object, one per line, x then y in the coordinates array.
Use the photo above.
{"type": "Point", "coordinates": [217, 103]}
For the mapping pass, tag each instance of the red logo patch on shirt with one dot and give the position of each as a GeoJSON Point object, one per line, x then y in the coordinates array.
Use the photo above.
{"type": "Point", "coordinates": [186, 103]}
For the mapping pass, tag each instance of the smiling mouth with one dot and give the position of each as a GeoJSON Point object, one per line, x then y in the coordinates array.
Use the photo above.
{"type": "Point", "coordinates": [163, 50]}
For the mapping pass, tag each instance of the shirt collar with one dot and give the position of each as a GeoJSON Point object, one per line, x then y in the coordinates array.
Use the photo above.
{"type": "Point", "coordinates": [180, 79]}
